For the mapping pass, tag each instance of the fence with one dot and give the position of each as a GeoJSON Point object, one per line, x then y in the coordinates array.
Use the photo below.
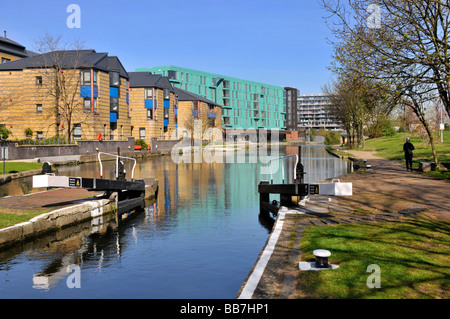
{"type": "Point", "coordinates": [38, 150]}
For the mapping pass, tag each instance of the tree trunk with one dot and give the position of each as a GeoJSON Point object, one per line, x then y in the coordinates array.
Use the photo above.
{"type": "Point", "coordinates": [421, 116]}
{"type": "Point", "coordinates": [430, 136]}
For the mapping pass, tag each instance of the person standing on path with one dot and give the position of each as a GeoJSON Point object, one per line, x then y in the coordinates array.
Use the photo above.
{"type": "Point", "coordinates": [408, 148]}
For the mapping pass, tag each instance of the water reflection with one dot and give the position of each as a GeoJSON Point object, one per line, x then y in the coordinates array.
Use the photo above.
{"type": "Point", "coordinates": [198, 239]}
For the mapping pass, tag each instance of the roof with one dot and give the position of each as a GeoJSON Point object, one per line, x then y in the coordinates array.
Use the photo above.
{"type": "Point", "coordinates": [184, 95]}
{"type": "Point", "coordinates": [68, 59]}
{"type": "Point", "coordinates": [12, 47]}
{"type": "Point", "coordinates": [149, 80]}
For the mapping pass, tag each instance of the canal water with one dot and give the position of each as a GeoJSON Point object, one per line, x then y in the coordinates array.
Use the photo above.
{"type": "Point", "coordinates": [199, 239]}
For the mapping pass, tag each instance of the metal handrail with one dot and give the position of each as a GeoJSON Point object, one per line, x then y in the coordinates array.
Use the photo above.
{"type": "Point", "coordinates": [282, 166]}
{"type": "Point", "coordinates": [117, 164]}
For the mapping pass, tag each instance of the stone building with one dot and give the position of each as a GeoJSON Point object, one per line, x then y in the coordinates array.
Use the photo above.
{"type": "Point", "coordinates": [78, 94]}
{"type": "Point", "coordinates": [153, 107]}
{"type": "Point", "coordinates": [195, 107]}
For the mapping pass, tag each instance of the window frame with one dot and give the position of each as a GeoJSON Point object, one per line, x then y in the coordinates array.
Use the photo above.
{"type": "Point", "coordinates": [112, 75]}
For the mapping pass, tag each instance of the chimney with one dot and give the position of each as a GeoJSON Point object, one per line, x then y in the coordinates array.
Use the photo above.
{"type": "Point", "coordinates": [4, 31]}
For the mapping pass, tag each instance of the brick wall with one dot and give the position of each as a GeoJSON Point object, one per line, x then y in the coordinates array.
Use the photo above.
{"type": "Point", "coordinates": [81, 148]}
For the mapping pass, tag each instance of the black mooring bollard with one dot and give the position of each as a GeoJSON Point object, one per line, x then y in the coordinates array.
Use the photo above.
{"type": "Point", "coordinates": [321, 258]}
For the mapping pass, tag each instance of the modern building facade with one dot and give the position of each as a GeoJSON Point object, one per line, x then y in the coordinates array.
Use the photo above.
{"type": "Point", "coordinates": [313, 113]}
{"type": "Point", "coordinates": [290, 100]}
{"type": "Point", "coordinates": [79, 94]}
{"type": "Point", "coordinates": [245, 104]}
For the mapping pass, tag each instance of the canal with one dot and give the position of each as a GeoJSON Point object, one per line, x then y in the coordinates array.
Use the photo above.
{"type": "Point", "coordinates": [199, 239]}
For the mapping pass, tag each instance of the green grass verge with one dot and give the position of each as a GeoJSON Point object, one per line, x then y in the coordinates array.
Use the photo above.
{"type": "Point", "coordinates": [10, 218]}
{"type": "Point", "coordinates": [392, 148]}
{"type": "Point", "coordinates": [339, 152]}
{"type": "Point", "coordinates": [17, 167]}
{"type": "Point", "coordinates": [413, 257]}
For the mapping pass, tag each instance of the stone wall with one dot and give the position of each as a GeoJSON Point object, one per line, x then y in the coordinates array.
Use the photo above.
{"type": "Point", "coordinates": [16, 152]}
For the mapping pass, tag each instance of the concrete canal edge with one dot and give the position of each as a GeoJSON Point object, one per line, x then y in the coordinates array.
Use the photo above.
{"type": "Point", "coordinates": [6, 178]}
{"type": "Point", "coordinates": [54, 221]}
{"type": "Point", "coordinates": [251, 282]}
{"type": "Point", "coordinates": [61, 218]}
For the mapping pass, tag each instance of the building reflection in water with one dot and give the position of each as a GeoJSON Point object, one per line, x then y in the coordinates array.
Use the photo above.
{"type": "Point", "coordinates": [191, 197]}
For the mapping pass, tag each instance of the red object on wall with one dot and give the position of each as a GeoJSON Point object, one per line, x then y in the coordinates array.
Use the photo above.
{"type": "Point", "coordinates": [99, 136]}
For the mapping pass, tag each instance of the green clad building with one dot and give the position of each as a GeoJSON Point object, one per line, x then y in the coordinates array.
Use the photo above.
{"type": "Point", "coordinates": [246, 104]}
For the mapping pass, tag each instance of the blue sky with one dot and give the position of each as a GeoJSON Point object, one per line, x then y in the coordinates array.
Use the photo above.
{"type": "Point", "coordinates": [279, 42]}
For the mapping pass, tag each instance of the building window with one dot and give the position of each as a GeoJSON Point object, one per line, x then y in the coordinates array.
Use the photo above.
{"type": "Point", "coordinates": [142, 133]}
{"type": "Point", "coordinates": [148, 94]}
{"type": "Point", "coordinates": [39, 108]}
{"type": "Point", "coordinates": [172, 75]}
{"type": "Point", "coordinates": [87, 104]}
{"type": "Point", "coordinates": [149, 114]}
{"type": "Point", "coordinates": [4, 60]}
{"type": "Point", "coordinates": [166, 94]}
{"type": "Point", "coordinates": [40, 135]}
{"type": "Point", "coordinates": [114, 104]}
{"type": "Point", "coordinates": [39, 80]}
{"type": "Point", "coordinates": [166, 113]}
{"type": "Point", "coordinates": [77, 131]}
{"type": "Point", "coordinates": [114, 79]}
{"type": "Point", "coordinates": [86, 77]}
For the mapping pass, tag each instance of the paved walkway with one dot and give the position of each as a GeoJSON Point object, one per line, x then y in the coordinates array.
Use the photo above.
{"type": "Point", "coordinates": [388, 187]}
{"type": "Point", "coordinates": [386, 192]}
{"type": "Point", "coordinates": [47, 200]}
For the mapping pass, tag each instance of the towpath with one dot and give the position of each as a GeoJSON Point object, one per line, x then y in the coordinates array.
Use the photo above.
{"type": "Point", "coordinates": [46, 200]}
{"type": "Point", "coordinates": [385, 192]}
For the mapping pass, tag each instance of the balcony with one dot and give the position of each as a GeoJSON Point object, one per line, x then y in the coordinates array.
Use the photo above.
{"type": "Point", "coordinates": [211, 115]}
{"type": "Point", "coordinates": [195, 113]}
{"type": "Point", "coordinates": [149, 104]}
{"type": "Point", "coordinates": [85, 91]}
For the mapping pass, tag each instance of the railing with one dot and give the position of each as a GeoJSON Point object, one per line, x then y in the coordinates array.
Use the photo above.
{"type": "Point", "coordinates": [47, 141]}
{"type": "Point", "coordinates": [117, 164]}
{"type": "Point", "coordinates": [282, 166]}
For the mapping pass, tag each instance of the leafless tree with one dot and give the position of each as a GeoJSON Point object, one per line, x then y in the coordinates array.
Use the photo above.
{"type": "Point", "coordinates": [410, 43]}
{"type": "Point", "coordinates": [61, 81]}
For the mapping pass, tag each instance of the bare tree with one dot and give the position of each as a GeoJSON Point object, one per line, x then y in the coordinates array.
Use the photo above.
{"type": "Point", "coordinates": [60, 66]}
{"type": "Point", "coordinates": [411, 40]}
{"type": "Point", "coordinates": [407, 52]}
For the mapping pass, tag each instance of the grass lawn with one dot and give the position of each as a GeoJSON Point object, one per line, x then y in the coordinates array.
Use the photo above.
{"type": "Point", "coordinates": [17, 167]}
{"type": "Point", "coordinates": [412, 254]}
{"type": "Point", "coordinates": [392, 148]}
{"type": "Point", "coordinates": [10, 218]}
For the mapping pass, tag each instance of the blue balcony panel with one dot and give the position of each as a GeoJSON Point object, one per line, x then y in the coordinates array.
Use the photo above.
{"type": "Point", "coordinates": [85, 91]}
{"type": "Point", "coordinates": [113, 92]}
{"type": "Point", "coordinates": [166, 104]}
{"type": "Point", "coordinates": [166, 122]}
{"type": "Point", "coordinates": [113, 117]}
{"type": "Point", "coordinates": [149, 104]}
{"type": "Point", "coordinates": [212, 115]}
{"type": "Point", "coordinates": [195, 113]}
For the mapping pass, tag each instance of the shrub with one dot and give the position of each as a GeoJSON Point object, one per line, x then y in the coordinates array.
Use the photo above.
{"type": "Point", "coordinates": [28, 132]}
{"type": "Point", "coordinates": [4, 132]}
{"type": "Point", "coordinates": [141, 142]}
